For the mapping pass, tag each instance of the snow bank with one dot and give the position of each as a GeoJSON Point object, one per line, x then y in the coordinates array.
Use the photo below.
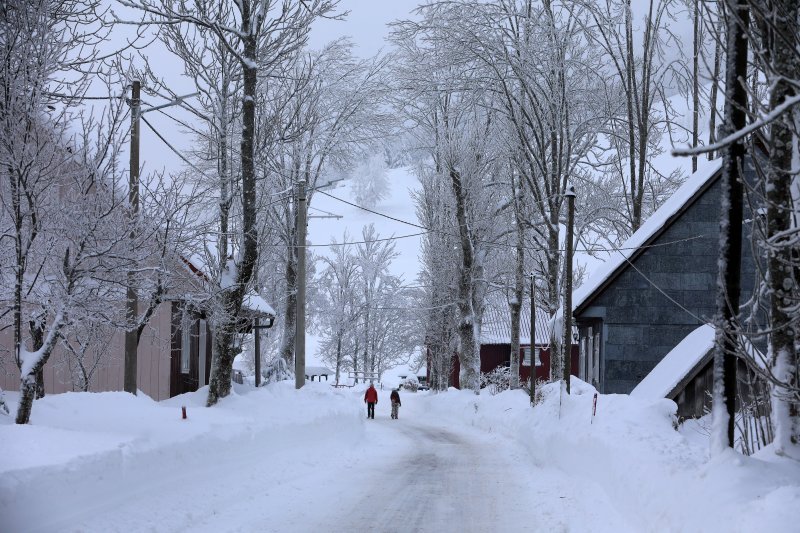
{"type": "Point", "coordinates": [654, 475]}
{"type": "Point", "coordinates": [107, 442]}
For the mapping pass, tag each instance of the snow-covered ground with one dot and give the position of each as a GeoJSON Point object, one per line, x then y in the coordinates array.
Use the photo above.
{"type": "Point", "coordinates": [275, 459]}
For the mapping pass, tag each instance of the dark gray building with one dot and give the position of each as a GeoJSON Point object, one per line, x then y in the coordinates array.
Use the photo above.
{"type": "Point", "coordinates": [658, 288]}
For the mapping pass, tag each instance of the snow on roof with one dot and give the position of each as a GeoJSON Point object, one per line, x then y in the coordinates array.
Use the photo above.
{"type": "Point", "coordinates": [254, 302]}
{"type": "Point", "coordinates": [496, 327]}
{"type": "Point", "coordinates": [706, 171]}
{"type": "Point", "coordinates": [319, 371]}
{"type": "Point", "coordinates": [667, 374]}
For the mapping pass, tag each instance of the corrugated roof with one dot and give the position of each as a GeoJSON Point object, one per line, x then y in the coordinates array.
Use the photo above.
{"type": "Point", "coordinates": [496, 328]}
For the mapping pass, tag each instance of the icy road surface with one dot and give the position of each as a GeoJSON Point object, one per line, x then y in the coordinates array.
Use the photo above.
{"type": "Point", "coordinates": [418, 473]}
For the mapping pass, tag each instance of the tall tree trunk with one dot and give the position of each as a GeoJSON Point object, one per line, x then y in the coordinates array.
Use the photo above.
{"type": "Point", "coordinates": [552, 258]}
{"type": "Point", "coordinates": [219, 386]}
{"type": "Point", "coordinates": [469, 354]}
{"type": "Point", "coordinates": [37, 338]}
{"type": "Point", "coordinates": [730, 239]}
{"type": "Point", "coordinates": [782, 282]}
{"type": "Point", "coordinates": [519, 286]}
{"type": "Point", "coordinates": [712, 121]}
{"type": "Point", "coordinates": [695, 79]}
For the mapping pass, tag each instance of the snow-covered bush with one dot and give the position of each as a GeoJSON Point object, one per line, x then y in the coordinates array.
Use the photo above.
{"type": "Point", "coordinates": [410, 383]}
{"type": "Point", "coordinates": [537, 395]}
{"type": "Point", "coordinates": [275, 371]}
{"type": "Point", "coordinates": [3, 406]}
{"type": "Point", "coordinates": [497, 380]}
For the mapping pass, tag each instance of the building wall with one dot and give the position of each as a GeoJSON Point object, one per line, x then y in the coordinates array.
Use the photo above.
{"type": "Point", "coordinates": [152, 363]}
{"type": "Point", "coordinates": [640, 325]}
{"type": "Point", "coordinates": [495, 355]}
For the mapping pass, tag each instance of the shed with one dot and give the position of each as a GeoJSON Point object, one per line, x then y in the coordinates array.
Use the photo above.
{"type": "Point", "coordinates": [317, 372]}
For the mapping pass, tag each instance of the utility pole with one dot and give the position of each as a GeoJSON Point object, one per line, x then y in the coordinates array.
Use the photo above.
{"type": "Point", "coordinates": [132, 300]}
{"type": "Point", "coordinates": [533, 338]}
{"type": "Point", "coordinates": [300, 321]}
{"type": "Point", "coordinates": [257, 342]}
{"type": "Point", "coordinates": [570, 194]}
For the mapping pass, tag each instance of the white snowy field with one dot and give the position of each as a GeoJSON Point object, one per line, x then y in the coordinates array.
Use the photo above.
{"type": "Point", "coordinates": [276, 459]}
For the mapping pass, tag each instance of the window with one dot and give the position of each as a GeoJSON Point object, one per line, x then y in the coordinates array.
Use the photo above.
{"type": "Point", "coordinates": [186, 343]}
{"type": "Point", "coordinates": [526, 359]}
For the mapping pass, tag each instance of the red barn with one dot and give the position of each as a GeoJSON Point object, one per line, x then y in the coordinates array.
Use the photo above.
{"type": "Point", "coordinates": [496, 344]}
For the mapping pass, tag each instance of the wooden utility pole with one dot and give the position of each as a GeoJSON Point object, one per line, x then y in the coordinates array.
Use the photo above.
{"type": "Point", "coordinates": [300, 322]}
{"type": "Point", "coordinates": [132, 300]}
{"type": "Point", "coordinates": [570, 194]}
{"type": "Point", "coordinates": [257, 347]}
{"type": "Point", "coordinates": [533, 338]}
{"type": "Point", "coordinates": [695, 82]}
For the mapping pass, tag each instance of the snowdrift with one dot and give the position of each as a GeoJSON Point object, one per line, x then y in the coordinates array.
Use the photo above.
{"type": "Point", "coordinates": [653, 473]}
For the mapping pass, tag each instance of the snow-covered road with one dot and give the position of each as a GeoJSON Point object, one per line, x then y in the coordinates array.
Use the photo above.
{"type": "Point", "coordinates": [450, 479]}
{"type": "Point", "coordinates": [418, 473]}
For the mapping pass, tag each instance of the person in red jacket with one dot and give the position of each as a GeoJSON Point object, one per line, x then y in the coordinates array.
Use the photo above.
{"type": "Point", "coordinates": [371, 398]}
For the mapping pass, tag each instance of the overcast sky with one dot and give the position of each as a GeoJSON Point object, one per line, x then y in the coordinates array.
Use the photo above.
{"type": "Point", "coordinates": [366, 25]}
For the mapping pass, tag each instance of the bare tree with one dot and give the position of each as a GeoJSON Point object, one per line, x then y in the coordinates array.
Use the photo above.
{"type": "Point", "coordinates": [452, 118]}
{"type": "Point", "coordinates": [321, 116]}
{"type": "Point", "coordinates": [261, 34]}
{"type": "Point", "coordinates": [640, 82]}
{"type": "Point", "coordinates": [59, 208]}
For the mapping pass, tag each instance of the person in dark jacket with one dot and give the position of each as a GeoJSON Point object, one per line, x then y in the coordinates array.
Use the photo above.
{"type": "Point", "coordinates": [371, 398]}
{"type": "Point", "coordinates": [395, 398]}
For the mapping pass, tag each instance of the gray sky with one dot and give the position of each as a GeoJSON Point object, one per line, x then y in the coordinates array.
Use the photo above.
{"type": "Point", "coordinates": [366, 25]}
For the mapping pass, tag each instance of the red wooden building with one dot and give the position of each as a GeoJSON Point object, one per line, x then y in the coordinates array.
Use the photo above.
{"type": "Point", "coordinates": [496, 344]}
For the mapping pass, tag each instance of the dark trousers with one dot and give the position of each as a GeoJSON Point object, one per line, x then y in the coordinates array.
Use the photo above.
{"type": "Point", "coordinates": [370, 409]}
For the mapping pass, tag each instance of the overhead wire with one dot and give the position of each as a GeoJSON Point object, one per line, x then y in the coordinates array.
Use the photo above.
{"type": "Point", "coordinates": [501, 244]}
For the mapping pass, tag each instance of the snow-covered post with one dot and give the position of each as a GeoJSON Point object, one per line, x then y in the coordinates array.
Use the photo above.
{"type": "Point", "coordinates": [300, 322]}
{"type": "Point", "coordinates": [132, 298]}
{"type": "Point", "coordinates": [533, 337]}
{"type": "Point", "coordinates": [570, 194]}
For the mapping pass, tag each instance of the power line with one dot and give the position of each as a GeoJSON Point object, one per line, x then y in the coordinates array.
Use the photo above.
{"type": "Point", "coordinates": [502, 244]}
{"type": "Point", "coordinates": [174, 150]}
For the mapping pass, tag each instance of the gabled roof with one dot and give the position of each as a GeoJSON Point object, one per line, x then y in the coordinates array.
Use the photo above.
{"type": "Point", "coordinates": [679, 366]}
{"type": "Point", "coordinates": [653, 227]}
{"type": "Point", "coordinates": [685, 361]}
{"type": "Point", "coordinates": [496, 327]}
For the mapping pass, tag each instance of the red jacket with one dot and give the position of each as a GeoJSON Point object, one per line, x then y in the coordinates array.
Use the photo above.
{"type": "Point", "coordinates": [371, 396]}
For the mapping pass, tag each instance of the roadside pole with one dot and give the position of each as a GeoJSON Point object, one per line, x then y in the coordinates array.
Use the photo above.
{"type": "Point", "coordinates": [300, 322]}
{"type": "Point", "coordinates": [132, 298]}
{"type": "Point", "coordinates": [533, 338]}
{"type": "Point", "coordinates": [570, 194]}
{"type": "Point", "coordinates": [130, 363]}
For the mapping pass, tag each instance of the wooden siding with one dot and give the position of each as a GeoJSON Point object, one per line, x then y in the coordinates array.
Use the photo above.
{"type": "Point", "coordinates": [499, 355]}
{"type": "Point", "coordinates": [152, 370]}
{"type": "Point", "coordinates": [638, 324]}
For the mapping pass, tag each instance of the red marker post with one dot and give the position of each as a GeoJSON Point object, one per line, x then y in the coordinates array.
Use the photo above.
{"type": "Point", "coordinates": [183, 411]}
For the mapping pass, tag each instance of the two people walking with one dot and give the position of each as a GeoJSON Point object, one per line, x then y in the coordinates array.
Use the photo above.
{"type": "Point", "coordinates": [371, 398]}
